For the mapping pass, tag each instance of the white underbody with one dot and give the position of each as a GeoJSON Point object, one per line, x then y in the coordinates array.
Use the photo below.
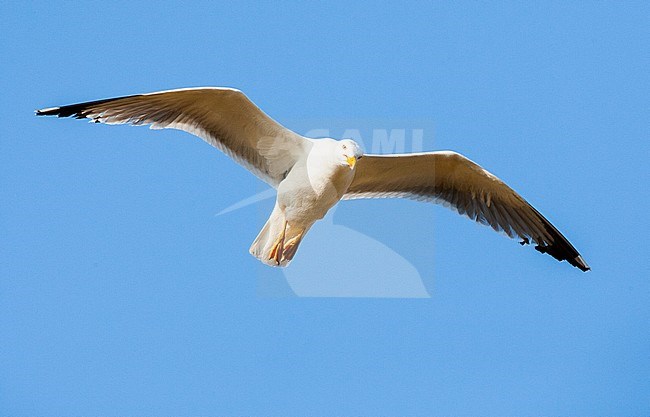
{"type": "Point", "coordinates": [313, 186]}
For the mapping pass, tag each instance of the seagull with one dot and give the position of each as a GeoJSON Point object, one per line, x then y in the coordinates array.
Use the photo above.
{"type": "Point", "coordinates": [312, 175]}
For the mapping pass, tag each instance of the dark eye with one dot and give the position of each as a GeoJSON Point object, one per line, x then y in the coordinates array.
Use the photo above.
{"type": "Point", "coordinates": [345, 147]}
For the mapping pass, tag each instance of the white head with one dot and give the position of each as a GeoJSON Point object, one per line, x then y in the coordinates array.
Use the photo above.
{"type": "Point", "coordinates": [349, 152]}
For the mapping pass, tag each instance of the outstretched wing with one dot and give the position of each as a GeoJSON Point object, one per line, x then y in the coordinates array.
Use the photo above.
{"type": "Point", "coordinates": [223, 117]}
{"type": "Point", "coordinates": [456, 182]}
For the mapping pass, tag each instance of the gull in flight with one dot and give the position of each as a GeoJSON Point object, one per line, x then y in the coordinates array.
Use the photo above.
{"type": "Point", "coordinates": [312, 175]}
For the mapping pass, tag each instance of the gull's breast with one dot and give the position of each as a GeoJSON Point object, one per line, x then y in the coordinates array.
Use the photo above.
{"type": "Point", "coordinates": [308, 192]}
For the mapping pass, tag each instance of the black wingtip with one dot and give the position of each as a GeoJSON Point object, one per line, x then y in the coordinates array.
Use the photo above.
{"type": "Point", "coordinates": [581, 264]}
{"type": "Point", "coordinates": [79, 110]}
{"type": "Point", "coordinates": [565, 252]}
{"type": "Point", "coordinates": [74, 110]}
{"type": "Point", "coordinates": [51, 111]}
{"type": "Point", "coordinates": [559, 247]}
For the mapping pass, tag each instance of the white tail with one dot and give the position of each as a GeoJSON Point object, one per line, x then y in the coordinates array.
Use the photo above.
{"type": "Point", "coordinates": [268, 237]}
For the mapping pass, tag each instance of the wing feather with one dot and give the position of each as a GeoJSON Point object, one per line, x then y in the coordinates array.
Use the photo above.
{"type": "Point", "coordinates": [457, 182]}
{"type": "Point", "coordinates": [223, 117]}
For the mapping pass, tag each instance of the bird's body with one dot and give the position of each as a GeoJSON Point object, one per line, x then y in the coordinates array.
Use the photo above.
{"type": "Point", "coordinates": [314, 185]}
{"type": "Point", "coordinates": [312, 175]}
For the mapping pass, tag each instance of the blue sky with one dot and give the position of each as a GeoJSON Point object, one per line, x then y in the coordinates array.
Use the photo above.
{"type": "Point", "coordinates": [123, 293]}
